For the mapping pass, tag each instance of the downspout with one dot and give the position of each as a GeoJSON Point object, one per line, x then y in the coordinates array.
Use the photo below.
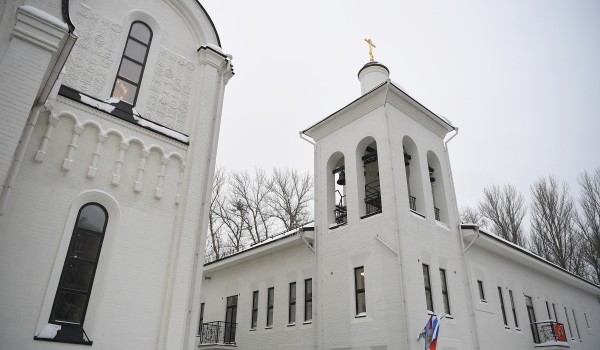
{"type": "Point", "coordinates": [315, 286]}
{"type": "Point", "coordinates": [397, 218]}
{"type": "Point", "coordinates": [469, 291]}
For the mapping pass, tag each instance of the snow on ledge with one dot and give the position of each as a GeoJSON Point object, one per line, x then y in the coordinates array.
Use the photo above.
{"type": "Point", "coordinates": [160, 129]}
{"type": "Point", "coordinates": [105, 106]}
{"type": "Point", "coordinates": [49, 331]}
{"type": "Point", "coordinates": [44, 16]}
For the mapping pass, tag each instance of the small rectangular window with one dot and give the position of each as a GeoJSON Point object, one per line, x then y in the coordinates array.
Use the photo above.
{"type": "Point", "coordinates": [587, 322]}
{"type": "Point", "coordinates": [548, 309]}
{"type": "Point", "coordinates": [445, 291]}
{"type": "Point", "coordinates": [201, 318]}
{"type": "Point", "coordinates": [502, 306]}
{"type": "Point", "coordinates": [427, 283]}
{"type": "Point", "coordinates": [569, 323]}
{"type": "Point", "coordinates": [576, 325]}
{"type": "Point", "coordinates": [555, 313]}
{"type": "Point", "coordinates": [270, 296]}
{"type": "Point", "coordinates": [514, 310]}
{"type": "Point", "coordinates": [254, 309]}
{"type": "Point", "coordinates": [308, 299]}
{"type": "Point", "coordinates": [481, 292]}
{"type": "Point", "coordinates": [359, 290]}
{"type": "Point", "coordinates": [292, 304]}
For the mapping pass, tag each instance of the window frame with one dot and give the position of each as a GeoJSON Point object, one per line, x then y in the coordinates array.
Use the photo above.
{"type": "Point", "coordinates": [481, 289]}
{"type": "Point", "coordinates": [445, 294]}
{"type": "Point", "coordinates": [142, 64]}
{"type": "Point", "coordinates": [569, 323]}
{"type": "Point", "coordinates": [359, 271]}
{"type": "Point", "coordinates": [501, 296]}
{"type": "Point", "coordinates": [307, 299]}
{"type": "Point", "coordinates": [514, 310]}
{"type": "Point", "coordinates": [73, 337]}
{"type": "Point", "coordinates": [427, 285]}
{"type": "Point", "coordinates": [576, 325]}
{"type": "Point", "coordinates": [270, 306]}
{"type": "Point", "coordinates": [201, 318]}
{"type": "Point", "coordinates": [254, 313]}
{"type": "Point", "coordinates": [292, 304]}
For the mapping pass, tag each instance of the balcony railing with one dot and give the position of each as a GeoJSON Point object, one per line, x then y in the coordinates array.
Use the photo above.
{"type": "Point", "coordinates": [373, 198]}
{"type": "Point", "coordinates": [548, 331]}
{"type": "Point", "coordinates": [437, 213]}
{"type": "Point", "coordinates": [218, 332]}
{"type": "Point", "coordinates": [412, 202]}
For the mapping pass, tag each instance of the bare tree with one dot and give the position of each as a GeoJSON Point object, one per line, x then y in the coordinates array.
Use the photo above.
{"type": "Point", "coordinates": [253, 194]}
{"type": "Point", "coordinates": [470, 215]}
{"type": "Point", "coordinates": [215, 224]}
{"type": "Point", "coordinates": [553, 216]}
{"type": "Point", "coordinates": [588, 222]}
{"type": "Point", "coordinates": [292, 193]}
{"type": "Point", "coordinates": [505, 208]}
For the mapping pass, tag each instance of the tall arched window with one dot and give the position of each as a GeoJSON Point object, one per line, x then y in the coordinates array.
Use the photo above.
{"type": "Point", "coordinates": [414, 181]}
{"type": "Point", "coordinates": [369, 188]}
{"type": "Point", "coordinates": [133, 61]}
{"type": "Point", "coordinates": [336, 188]}
{"type": "Point", "coordinates": [77, 277]}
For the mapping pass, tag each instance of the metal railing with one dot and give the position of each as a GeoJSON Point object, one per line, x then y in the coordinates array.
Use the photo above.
{"type": "Point", "coordinates": [373, 197]}
{"type": "Point", "coordinates": [437, 213]}
{"type": "Point", "coordinates": [412, 203]}
{"type": "Point", "coordinates": [217, 332]}
{"type": "Point", "coordinates": [548, 331]}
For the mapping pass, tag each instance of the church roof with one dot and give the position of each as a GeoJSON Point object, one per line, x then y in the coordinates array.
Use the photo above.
{"type": "Point", "coordinates": [389, 86]}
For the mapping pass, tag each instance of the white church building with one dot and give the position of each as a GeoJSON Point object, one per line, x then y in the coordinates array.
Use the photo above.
{"type": "Point", "coordinates": [109, 125]}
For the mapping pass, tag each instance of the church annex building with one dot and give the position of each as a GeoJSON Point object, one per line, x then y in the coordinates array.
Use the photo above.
{"type": "Point", "coordinates": [108, 134]}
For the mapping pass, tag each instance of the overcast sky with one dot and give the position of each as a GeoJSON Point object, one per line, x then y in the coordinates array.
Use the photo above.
{"type": "Point", "coordinates": [521, 80]}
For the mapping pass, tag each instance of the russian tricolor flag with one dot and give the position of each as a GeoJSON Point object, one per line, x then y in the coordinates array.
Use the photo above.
{"type": "Point", "coordinates": [430, 333]}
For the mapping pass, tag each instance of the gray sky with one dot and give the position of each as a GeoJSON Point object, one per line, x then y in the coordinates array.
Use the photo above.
{"type": "Point", "coordinates": [521, 79]}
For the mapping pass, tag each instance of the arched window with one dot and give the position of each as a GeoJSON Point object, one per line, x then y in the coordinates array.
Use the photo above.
{"type": "Point", "coordinates": [413, 176]}
{"type": "Point", "coordinates": [438, 192]}
{"type": "Point", "coordinates": [77, 277]}
{"type": "Point", "coordinates": [133, 61]}
{"type": "Point", "coordinates": [336, 188]}
{"type": "Point", "coordinates": [369, 188]}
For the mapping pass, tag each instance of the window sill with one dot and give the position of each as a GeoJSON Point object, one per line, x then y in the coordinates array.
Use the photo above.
{"type": "Point", "coordinates": [430, 313]}
{"type": "Point", "coordinates": [507, 328]}
{"type": "Point", "coordinates": [417, 214]}
{"type": "Point", "coordinates": [307, 322]}
{"type": "Point", "coordinates": [449, 317]}
{"type": "Point", "coordinates": [518, 329]}
{"type": "Point", "coordinates": [483, 300]}
{"type": "Point", "coordinates": [291, 324]}
{"type": "Point", "coordinates": [82, 342]}
{"type": "Point", "coordinates": [334, 227]}
{"type": "Point", "coordinates": [370, 215]}
{"type": "Point", "coordinates": [361, 315]}
{"type": "Point", "coordinates": [269, 327]}
{"type": "Point", "coordinates": [252, 330]}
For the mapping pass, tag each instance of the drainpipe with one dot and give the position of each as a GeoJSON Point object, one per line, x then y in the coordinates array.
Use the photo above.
{"type": "Point", "coordinates": [315, 286]}
{"type": "Point", "coordinates": [467, 267]}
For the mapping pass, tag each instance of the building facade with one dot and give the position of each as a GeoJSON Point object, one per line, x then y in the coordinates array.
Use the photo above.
{"type": "Point", "coordinates": [109, 115]}
{"type": "Point", "coordinates": [387, 251]}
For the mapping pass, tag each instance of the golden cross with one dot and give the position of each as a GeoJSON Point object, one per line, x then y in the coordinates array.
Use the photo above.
{"type": "Point", "coordinates": [371, 46]}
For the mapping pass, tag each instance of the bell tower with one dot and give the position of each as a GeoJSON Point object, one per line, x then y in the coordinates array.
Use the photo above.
{"type": "Point", "coordinates": [386, 227]}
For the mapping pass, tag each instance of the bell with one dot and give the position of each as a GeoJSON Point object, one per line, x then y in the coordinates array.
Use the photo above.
{"type": "Point", "coordinates": [342, 178]}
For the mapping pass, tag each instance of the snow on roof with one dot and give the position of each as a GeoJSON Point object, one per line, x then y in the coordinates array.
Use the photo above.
{"type": "Point", "coordinates": [44, 16]}
{"type": "Point", "coordinates": [108, 106]}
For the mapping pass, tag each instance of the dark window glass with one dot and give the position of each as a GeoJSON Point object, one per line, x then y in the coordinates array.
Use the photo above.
{"type": "Point", "coordinates": [270, 301]}
{"type": "Point", "coordinates": [555, 314]}
{"type": "Point", "coordinates": [427, 283]}
{"type": "Point", "coordinates": [568, 322]}
{"type": "Point", "coordinates": [133, 61]}
{"type": "Point", "coordinates": [201, 318]}
{"type": "Point", "coordinates": [254, 309]}
{"type": "Point", "coordinates": [445, 291]}
{"type": "Point", "coordinates": [502, 306]}
{"type": "Point", "coordinates": [548, 309]}
{"type": "Point", "coordinates": [292, 304]}
{"type": "Point", "coordinates": [308, 299]}
{"type": "Point", "coordinates": [230, 320]}
{"type": "Point", "coordinates": [359, 286]}
{"type": "Point", "coordinates": [514, 310]}
{"type": "Point", "coordinates": [77, 277]}
{"type": "Point", "coordinates": [576, 325]}
{"type": "Point", "coordinates": [481, 291]}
